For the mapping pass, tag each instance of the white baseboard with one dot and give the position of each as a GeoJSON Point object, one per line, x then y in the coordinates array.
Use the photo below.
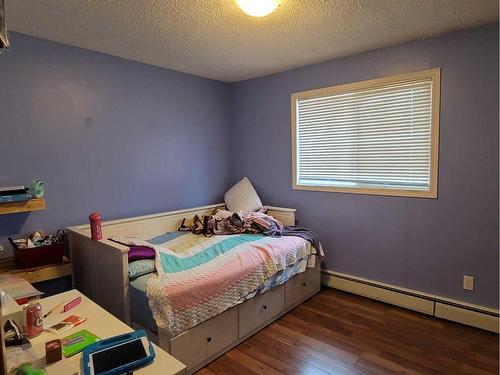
{"type": "Point", "coordinates": [441, 307]}
{"type": "Point", "coordinates": [467, 317]}
{"type": "Point", "coordinates": [380, 294]}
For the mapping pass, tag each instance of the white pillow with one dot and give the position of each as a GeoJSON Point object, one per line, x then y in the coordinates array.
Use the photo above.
{"type": "Point", "coordinates": [223, 214]}
{"type": "Point", "coordinates": [242, 197]}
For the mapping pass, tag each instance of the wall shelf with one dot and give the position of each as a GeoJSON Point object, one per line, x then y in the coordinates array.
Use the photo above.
{"type": "Point", "coordinates": [36, 274]}
{"type": "Point", "coordinates": [26, 206]}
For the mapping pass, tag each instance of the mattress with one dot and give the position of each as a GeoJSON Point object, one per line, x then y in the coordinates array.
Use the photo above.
{"type": "Point", "coordinates": [139, 306]}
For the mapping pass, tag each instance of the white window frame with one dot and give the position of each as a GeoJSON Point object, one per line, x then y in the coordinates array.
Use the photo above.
{"type": "Point", "coordinates": [434, 75]}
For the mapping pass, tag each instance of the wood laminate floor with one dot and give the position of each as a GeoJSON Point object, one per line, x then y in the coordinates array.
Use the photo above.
{"type": "Point", "coordinates": [341, 333]}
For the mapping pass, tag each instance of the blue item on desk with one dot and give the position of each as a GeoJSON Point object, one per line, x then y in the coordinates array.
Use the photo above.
{"type": "Point", "coordinates": [118, 355]}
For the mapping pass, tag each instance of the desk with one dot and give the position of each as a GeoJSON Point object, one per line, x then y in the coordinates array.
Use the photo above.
{"type": "Point", "coordinates": [100, 323]}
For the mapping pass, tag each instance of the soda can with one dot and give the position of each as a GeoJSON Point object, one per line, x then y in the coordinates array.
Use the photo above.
{"type": "Point", "coordinates": [33, 323]}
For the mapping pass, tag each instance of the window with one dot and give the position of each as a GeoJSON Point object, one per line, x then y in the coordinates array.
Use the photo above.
{"type": "Point", "coordinates": [372, 137]}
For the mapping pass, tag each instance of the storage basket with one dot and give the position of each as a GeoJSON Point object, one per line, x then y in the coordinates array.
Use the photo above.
{"type": "Point", "coordinates": [39, 256]}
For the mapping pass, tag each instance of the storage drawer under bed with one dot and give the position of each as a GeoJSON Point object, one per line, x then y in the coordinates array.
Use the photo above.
{"type": "Point", "coordinates": [301, 286]}
{"type": "Point", "coordinates": [261, 309]}
{"type": "Point", "coordinates": [201, 342]}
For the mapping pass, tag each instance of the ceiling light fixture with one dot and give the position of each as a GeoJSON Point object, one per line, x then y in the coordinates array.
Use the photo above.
{"type": "Point", "coordinates": [258, 8]}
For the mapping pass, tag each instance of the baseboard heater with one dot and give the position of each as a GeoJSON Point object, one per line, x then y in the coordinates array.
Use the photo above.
{"type": "Point", "coordinates": [445, 308]}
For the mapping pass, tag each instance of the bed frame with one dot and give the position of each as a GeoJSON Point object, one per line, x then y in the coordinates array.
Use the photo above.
{"type": "Point", "coordinates": [100, 271]}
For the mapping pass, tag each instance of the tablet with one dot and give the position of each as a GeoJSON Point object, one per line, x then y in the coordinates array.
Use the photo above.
{"type": "Point", "coordinates": [118, 355]}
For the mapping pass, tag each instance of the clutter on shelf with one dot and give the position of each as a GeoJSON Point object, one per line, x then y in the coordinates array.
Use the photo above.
{"type": "Point", "coordinates": [39, 249]}
{"type": "Point", "coordinates": [39, 238]}
{"type": "Point", "coordinates": [21, 193]}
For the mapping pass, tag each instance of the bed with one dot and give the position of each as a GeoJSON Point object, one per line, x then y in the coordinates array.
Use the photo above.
{"type": "Point", "coordinates": [101, 272]}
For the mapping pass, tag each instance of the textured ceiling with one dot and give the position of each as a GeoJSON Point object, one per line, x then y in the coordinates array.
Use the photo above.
{"type": "Point", "coordinates": [213, 38]}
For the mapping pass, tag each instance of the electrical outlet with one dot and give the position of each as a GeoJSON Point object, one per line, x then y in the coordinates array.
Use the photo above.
{"type": "Point", "coordinates": [468, 282]}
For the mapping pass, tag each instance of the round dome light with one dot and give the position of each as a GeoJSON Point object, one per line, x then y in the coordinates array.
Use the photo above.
{"type": "Point", "coordinates": [258, 8]}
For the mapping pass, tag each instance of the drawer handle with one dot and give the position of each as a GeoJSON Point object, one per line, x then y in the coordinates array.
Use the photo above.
{"type": "Point", "coordinates": [209, 339]}
{"type": "Point", "coordinates": [303, 284]}
{"type": "Point", "coordinates": [264, 307]}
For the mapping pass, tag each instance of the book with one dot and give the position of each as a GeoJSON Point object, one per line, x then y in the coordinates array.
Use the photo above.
{"type": "Point", "coordinates": [66, 324]}
{"type": "Point", "coordinates": [14, 187]}
{"type": "Point", "coordinates": [14, 192]}
{"type": "Point", "coordinates": [17, 287]}
{"type": "Point", "coordinates": [15, 198]}
{"type": "Point", "coordinates": [76, 342]}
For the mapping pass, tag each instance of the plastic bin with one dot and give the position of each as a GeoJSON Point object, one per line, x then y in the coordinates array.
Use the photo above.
{"type": "Point", "coordinates": [38, 256]}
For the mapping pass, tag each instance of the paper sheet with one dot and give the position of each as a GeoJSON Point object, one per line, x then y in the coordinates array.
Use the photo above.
{"type": "Point", "coordinates": [18, 356]}
{"type": "Point", "coordinates": [17, 287]}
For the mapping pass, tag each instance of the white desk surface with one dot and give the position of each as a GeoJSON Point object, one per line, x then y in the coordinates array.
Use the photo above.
{"type": "Point", "coordinates": [100, 323]}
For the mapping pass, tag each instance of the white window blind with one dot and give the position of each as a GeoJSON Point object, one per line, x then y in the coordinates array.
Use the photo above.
{"type": "Point", "coordinates": [378, 137]}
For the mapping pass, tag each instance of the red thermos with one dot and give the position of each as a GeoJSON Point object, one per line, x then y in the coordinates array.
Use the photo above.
{"type": "Point", "coordinates": [95, 226]}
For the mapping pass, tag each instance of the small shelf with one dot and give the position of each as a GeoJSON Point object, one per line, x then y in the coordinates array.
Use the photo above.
{"type": "Point", "coordinates": [36, 274]}
{"type": "Point", "coordinates": [26, 206]}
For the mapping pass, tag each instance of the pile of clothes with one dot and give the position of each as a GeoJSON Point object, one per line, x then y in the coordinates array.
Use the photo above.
{"type": "Point", "coordinates": [227, 222]}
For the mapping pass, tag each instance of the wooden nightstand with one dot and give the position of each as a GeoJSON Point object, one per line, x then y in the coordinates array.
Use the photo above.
{"type": "Point", "coordinates": [37, 274]}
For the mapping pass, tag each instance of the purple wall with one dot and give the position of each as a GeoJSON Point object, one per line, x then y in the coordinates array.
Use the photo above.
{"type": "Point", "coordinates": [424, 244]}
{"type": "Point", "coordinates": [126, 138]}
{"type": "Point", "coordinates": [107, 134]}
